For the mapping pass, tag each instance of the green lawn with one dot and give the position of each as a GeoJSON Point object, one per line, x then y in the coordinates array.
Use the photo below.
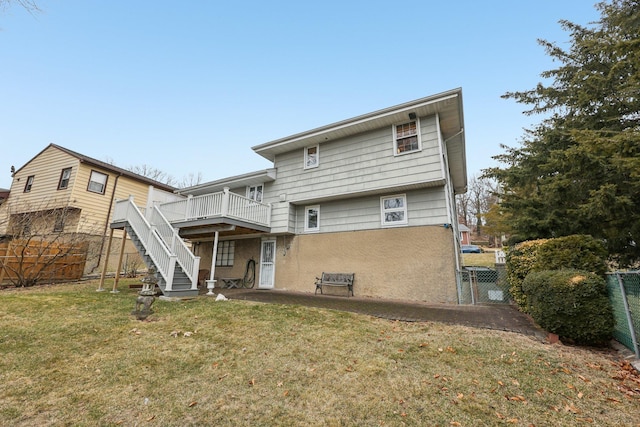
{"type": "Point", "coordinates": [485, 259]}
{"type": "Point", "coordinates": [72, 356]}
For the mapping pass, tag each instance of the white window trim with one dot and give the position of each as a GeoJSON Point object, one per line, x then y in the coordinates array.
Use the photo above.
{"type": "Point", "coordinates": [91, 180]}
{"type": "Point", "coordinates": [383, 211]}
{"type": "Point", "coordinates": [249, 187]}
{"type": "Point", "coordinates": [306, 157]}
{"type": "Point", "coordinates": [395, 138]}
{"type": "Point", "coordinates": [308, 209]}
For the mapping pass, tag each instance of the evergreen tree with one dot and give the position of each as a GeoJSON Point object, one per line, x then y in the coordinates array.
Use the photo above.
{"type": "Point", "coordinates": [578, 171]}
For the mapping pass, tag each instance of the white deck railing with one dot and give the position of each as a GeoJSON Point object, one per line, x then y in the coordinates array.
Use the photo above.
{"type": "Point", "coordinates": [163, 258]}
{"type": "Point", "coordinates": [221, 204]}
{"type": "Point", "coordinates": [188, 261]}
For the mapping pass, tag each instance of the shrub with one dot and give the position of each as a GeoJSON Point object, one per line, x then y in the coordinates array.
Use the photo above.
{"type": "Point", "coordinates": [519, 261]}
{"type": "Point", "coordinates": [570, 303]}
{"type": "Point", "coordinates": [580, 252]}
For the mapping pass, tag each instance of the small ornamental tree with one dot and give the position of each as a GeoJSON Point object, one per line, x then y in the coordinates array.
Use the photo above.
{"type": "Point", "coordinates": [42, 244]}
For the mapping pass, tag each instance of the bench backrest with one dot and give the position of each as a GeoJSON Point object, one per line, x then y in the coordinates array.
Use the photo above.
{"type": "Point", "coordinates": [337, 277]}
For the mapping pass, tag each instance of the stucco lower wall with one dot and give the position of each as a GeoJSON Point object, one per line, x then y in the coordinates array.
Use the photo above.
{"type": "Point", "coordinates": [410, 263]}
{"type": "Point", "coordinates": [245, 249]}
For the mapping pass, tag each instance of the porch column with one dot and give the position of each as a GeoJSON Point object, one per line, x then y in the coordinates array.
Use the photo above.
{"type": "Point", "coordinates": [106, 262]}
{"type": "Point", "coordinates": [117, 278]}
{"type": "Point", "coordinates": [211, 283]}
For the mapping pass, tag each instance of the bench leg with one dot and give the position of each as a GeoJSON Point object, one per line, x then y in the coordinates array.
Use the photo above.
{"type": "Point", "coordinates": [318, 287]}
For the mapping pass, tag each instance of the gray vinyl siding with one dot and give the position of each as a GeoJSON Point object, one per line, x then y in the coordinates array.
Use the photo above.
{"type": "Point", "coordinates": [359, 164]}
{"type": "Point", "coordinates": [424, 207]}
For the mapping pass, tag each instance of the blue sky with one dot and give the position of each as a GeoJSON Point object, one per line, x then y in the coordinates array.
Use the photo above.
{"type": "Point", "coordinates": [190, 86]}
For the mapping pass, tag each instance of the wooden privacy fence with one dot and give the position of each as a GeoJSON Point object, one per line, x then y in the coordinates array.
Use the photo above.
{"type": "Point", "coordinates": [41, 260]}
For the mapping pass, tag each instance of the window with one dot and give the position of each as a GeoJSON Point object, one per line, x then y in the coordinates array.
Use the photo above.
{"type": "Point", "coordinates": [224, 257]}
{"type": "Point", "coordinates": [255, 193]}
{"type": "Point", "coordinates": [29, 184]}
{"type": "Point", "coordinates": [97, 182]}
{"type": "Point", "coordinates": [58, 226]}
{"type": "Point", "coordinates": [312, 218]}
{"type": "Point", "coordinates": [406, 137]}
{"type": "Point", "coordinates": [65, 176]}
{"type": "Point", "coordinates": [394, 210]}
{"type": "Point", "coordinates": [312, 157]}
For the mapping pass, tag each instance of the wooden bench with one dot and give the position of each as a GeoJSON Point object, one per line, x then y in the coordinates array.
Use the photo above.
{"type": "Point", "coordinates": [231, 282]}
{"type": "Point", "coordinates": [335, 279]}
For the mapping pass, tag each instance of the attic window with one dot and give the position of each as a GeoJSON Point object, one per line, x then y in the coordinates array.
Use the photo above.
{"type": "Point", "coordinates": [29, 184]}
{"type": "Point", "coordinates": [406, 138]}
{"type": "Point", "coordinates": [65, 176]}
{"type": "Point", "coordinates": [97, 182]}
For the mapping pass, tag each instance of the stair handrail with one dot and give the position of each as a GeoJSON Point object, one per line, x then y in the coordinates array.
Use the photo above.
{"type": "Point", "coordinates": [163, 259]}
{"type": "Point", "coordinates": [188, 261]}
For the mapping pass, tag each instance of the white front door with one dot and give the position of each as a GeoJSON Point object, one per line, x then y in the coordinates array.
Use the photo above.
{"type": "Point", "coordinates": [267, 264]}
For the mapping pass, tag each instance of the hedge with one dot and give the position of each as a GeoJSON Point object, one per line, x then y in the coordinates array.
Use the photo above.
{"type": "Point", "coordinates": [581, 252]}
{"type": "Point", "coordinates": [570, 303]}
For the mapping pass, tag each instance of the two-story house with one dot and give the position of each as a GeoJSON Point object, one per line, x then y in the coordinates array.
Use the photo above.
{"type": "Point", "coordinates": [371, 195]}
{"type": "Point", "coordinates": [60, 191]}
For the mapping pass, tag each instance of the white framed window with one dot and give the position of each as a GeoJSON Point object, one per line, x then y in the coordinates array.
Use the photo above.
{"type": "Point", "coordinates": [312, 157]}
{"type": "Point", "coordinates": [254, 192]}
{"type": "Point", "coordinates": [393, 210]}
{"type": "Point", "coordinates": [97, 182]}
{"type": "Point", "coordinates": [406, 138]}
{"type": "Point", "coordinates": [312, 219]}
{"type": "Point", "coordinates": [226, 252]}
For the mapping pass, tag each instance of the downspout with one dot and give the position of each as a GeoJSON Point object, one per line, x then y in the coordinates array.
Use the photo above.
{"type": "Point", "coordinates": [106, 223]}
{"type": "Point", "coordinates": [450, 203]}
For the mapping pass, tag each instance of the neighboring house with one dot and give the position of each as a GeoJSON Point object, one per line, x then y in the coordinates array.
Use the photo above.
{"type": "Point", "coordinates": [465, 234]}
{"type": "Point", "coordinates": [4, 194]}
{"type": "Point", "coordinates": [372, 195]}
{"type": "Point", "coordinates": [73, 193]}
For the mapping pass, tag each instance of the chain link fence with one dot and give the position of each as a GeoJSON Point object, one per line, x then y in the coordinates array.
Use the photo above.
{"type": "Point", "coordinates": [483, 285]}
{"type": "Point", "coordinates": [624, 294]}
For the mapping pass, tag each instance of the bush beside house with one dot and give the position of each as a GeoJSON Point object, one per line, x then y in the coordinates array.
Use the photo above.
{"type": "Point", "coordinates": [570, 303]}
{"type": "Point", "coordinates": [580, 252]}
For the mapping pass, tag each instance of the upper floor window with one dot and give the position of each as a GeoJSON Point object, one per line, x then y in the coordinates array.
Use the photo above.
{"type": "Point", "coordinates": [312, 157]}
{"type": "Point", "coordinates": [254, 192]}
{"type": "Point", "coordinates": [97, 182]}
{"type": "Point", "coordinates": [393, 210]}
{"type": "Point", "coordinates": [65, 176]}
{"type": "Point", "coordinates": [225, 254]}
{"type": "Point", "coordinates": [29, 184]}
{"type": "Point", "coordinates": [312, 218]}
{"type": "Point", "coordinates": [406, 137]}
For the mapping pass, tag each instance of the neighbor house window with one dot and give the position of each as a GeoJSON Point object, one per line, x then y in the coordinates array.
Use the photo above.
{"type": "Point", "coordinates": [97, 182]}
{"type": "Point", "coordinates": [224, 257]}
{"type": "Point", "coordinates": [394, 210]}
{"type": "Point", "coordinates": [255, 192]}
{"type": "Point", "coordinates": [312, 218]}
{"type": "Point", "coordinates": [65, 176]}
{"type": "Point", "coordinates": [29, 184]}
{"type": "Point", "coordinates": [406, 137]}
{"type": "Point", "coordinates": [58, 226]}
{"type": "Point", "coordinates": [311, 157]}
